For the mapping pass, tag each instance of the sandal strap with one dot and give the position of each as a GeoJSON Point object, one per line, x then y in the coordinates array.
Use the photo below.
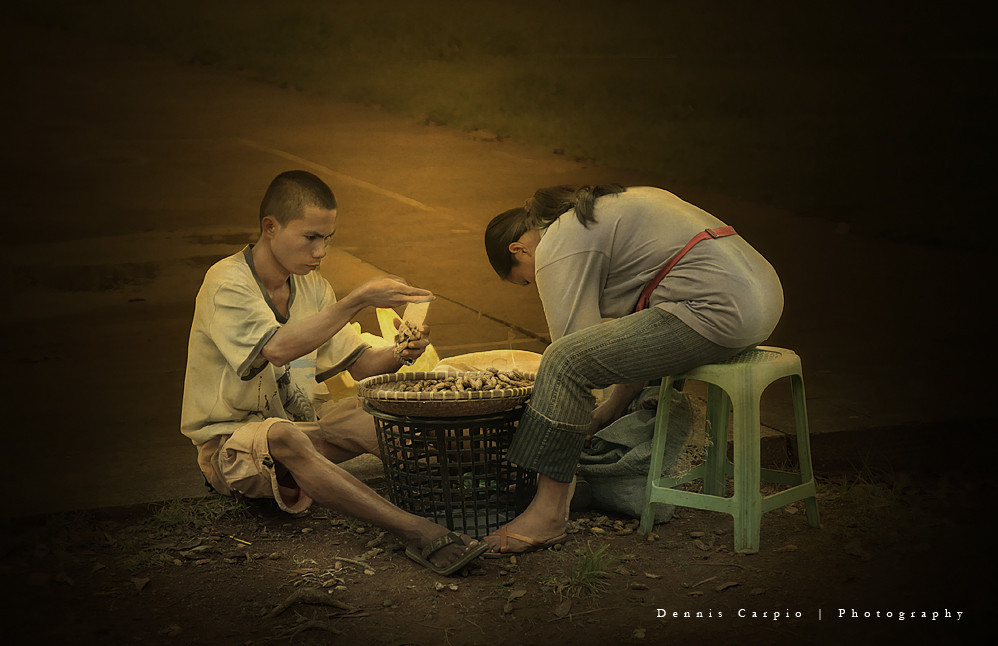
{"type": "Point", "coordinates": [505, 535]}
{"type": "Point", "coordinates": [439, 543]}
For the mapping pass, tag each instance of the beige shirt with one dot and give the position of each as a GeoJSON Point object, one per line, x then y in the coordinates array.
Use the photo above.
{"type": "Point", "coordinates": [233, 319]}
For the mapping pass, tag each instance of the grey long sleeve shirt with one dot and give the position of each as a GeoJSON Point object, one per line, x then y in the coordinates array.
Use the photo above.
{"type": "Point", "coordinates": [723, 289]}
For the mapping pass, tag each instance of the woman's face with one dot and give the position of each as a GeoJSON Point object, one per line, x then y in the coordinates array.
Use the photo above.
{"type": "Point", "coordinates": [522, 273]}
{"type": "Point", "coordinates": [523, 251]}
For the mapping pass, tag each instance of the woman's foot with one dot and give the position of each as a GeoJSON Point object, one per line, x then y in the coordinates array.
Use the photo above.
{"type": "Point", "coordinates": [522, 535]}
{"type": "Point", "coordinates": [541, 525]}
{"type": "Point", "coordinates": [522, 544]}
{"type": "Point", "coordinates": [571, 494]}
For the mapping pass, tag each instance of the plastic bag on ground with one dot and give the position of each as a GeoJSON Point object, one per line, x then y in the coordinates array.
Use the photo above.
{"type": "Point", "coordinates": [617, 462]}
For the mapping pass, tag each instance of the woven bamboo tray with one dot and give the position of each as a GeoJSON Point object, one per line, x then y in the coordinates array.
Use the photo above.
{"type": "Point", "coordinates": [382, 392]}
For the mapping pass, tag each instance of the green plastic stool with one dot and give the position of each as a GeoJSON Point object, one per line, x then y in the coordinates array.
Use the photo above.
{"type": "Point", "coordinates": [738, 382]}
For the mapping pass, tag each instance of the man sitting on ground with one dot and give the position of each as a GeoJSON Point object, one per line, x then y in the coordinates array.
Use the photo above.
{"type": "Point", "coordinates": [267, 328]}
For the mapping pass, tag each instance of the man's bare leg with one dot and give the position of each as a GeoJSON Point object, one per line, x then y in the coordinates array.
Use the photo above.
{"type": "Point", "coordinates": [544, 518]}
{"type": "Point", "coordinates": [344, 431]}
{"type": "Point", "coordinates": [332, 487]}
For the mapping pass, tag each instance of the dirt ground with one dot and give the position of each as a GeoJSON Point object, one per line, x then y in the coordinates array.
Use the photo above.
{"type": "Point", "coordinates": [210, 571]}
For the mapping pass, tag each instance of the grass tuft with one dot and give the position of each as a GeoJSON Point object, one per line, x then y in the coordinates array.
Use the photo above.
{"type": "Point", "coordinates": [197, 512]}
{"type": "Point", "coordinates": [587, 575]}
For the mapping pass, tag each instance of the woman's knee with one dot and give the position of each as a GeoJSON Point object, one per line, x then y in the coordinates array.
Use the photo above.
{"type": "Point", "coordinates": [566, 358]}
{"type": "Point", "coordinates": [559, 355]}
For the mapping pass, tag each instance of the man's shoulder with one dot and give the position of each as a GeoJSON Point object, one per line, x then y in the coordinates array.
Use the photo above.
{"type": "Point", "coordinates": [227, 269]}
{"type": "Point", "coordinates": [230, 273]}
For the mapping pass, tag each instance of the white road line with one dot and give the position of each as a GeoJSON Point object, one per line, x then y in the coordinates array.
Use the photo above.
{"type": "Point", "coordinates": [339, 176]}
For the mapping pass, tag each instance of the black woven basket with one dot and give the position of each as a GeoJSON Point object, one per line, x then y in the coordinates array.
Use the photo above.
{"type": "Point", "coordinates": [454, 470]}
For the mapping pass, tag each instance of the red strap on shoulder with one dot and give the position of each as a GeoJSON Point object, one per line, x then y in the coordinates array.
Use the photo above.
{"type": "Point", "coordinates": [719, 232]}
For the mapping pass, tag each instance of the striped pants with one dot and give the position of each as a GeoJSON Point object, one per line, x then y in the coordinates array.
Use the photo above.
{"type": "Point", "coordinates": [642, 346]}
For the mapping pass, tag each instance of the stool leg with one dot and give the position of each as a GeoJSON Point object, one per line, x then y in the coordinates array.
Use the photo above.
{"type": "Point", "coordinates": [718, 403]}
{"type": "Point", "coordinates": [804, 447]}
{"type": "Point", "coordinates": [657, 454]}
{"type": "Point", "coordinates": [748, 496]}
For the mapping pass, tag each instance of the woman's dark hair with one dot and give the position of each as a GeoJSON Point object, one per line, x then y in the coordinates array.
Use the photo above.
{"type": "Point", "coordinates": [505, 228]}
{"type": "Point", "coordinates": [540, 211]}
{"type": "Point", "coordinates": [291, 193]}
{"type": "Point", "coordinates": [548, 204]}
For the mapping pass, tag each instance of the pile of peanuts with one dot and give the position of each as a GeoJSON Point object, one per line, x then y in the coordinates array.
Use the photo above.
{"type": "Point", "coordinates": [489, 379]}
{"type": "Point", "coordinates": [402, 337]}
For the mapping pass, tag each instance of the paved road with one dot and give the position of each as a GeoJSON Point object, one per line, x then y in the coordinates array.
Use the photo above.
{"type": "Point", "coordinates": [125, 176]}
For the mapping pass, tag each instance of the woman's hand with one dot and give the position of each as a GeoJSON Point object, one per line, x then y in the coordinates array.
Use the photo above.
{"type": "Point", "coordinates": [613, 408]}
{"type": "Point", "coordinates": [602, 416]}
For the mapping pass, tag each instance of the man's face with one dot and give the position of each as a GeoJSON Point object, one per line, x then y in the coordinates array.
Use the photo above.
{"type": "Point", "coordinates": [300, 246]}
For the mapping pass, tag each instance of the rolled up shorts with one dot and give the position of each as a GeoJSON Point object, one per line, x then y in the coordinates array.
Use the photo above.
{"type": "Point", "coordinates": [241, 465]}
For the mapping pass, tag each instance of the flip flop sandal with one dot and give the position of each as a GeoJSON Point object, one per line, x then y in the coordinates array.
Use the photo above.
{"type": "Point", "coordinates": [533, 545]}
{"type": "Point", "coordinates": [423, 556]}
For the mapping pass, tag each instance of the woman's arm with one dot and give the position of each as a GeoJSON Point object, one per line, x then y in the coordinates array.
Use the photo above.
{"type": "Point", "coordinates": [570, 292]}
{"type": "Point", "coordinates": [614, 407]}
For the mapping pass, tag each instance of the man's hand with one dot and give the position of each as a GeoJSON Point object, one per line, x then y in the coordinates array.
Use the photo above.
{"type": "Point", "coordinates": [413, 347]}
{"type": "Point", "coordinates": [391, 292]}
{"type": "Point", "coordinates": [384, 360]}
